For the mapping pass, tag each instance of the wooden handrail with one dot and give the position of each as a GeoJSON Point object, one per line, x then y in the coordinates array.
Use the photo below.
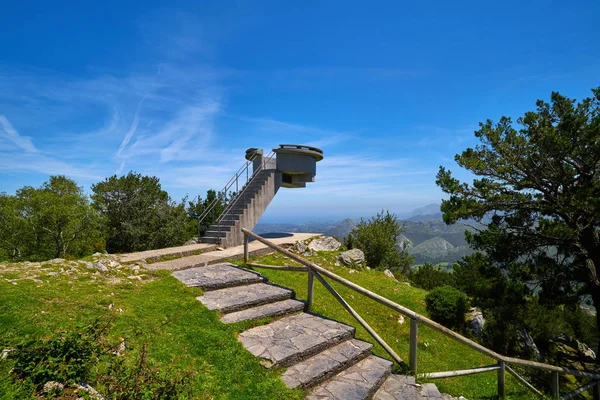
{"type": "Point", "coordinates": [420, 318]}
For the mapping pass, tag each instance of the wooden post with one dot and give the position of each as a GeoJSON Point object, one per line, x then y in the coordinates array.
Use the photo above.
{"type": "Point", "coordinates": [311, 285]}
{"type": "Point", "coordinates": [245, 249]}
{"type": "Point", "coordinates": [414, 336]}
{"type": "Point", "coordinates": [501, 380]}
{"type": "Point", "coordinates": [555, 386]}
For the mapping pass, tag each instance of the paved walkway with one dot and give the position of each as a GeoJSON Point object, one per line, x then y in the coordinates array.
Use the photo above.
{"type": "Point", "coordinates": [211, 256]}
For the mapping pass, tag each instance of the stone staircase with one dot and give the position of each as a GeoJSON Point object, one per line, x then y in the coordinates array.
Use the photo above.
{"type": "Point", "coordinates": [321, 355]}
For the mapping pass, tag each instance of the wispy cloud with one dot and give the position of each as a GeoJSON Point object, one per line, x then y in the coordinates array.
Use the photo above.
{"type": "Point", "coordinates": [8, 132]}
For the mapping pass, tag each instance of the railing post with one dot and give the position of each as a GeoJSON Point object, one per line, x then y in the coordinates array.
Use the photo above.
{"type": "Point", "coordinates": [555, 386]}
{"type": "Point", "coordinates": [414, 336]}
{"type": "Point", "coordinates": [245, 248]}
{"type": "Point", "coordinates": [501, 379]}
{"type": "Point", "coordinates": [311, 285]}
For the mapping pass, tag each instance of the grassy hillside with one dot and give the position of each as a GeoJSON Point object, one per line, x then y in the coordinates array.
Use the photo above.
{"type": "Point", "coordinates": [437, 352]}
{"type": "Point", "coordinates": [40, 301]}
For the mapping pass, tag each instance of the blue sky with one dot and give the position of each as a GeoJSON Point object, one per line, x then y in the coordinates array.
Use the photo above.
{"type": "Point", "coordinates": [389, 90]}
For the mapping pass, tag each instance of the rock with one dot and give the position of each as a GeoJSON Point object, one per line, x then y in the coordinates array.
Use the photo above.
{"type": "Point", "coordinates": [573, 353]}
{"type": "Point", "coordinates": [326, 243]}
{"type": "Point", "coordinates": [191, 241]}
{"type": "Point", "coordinates": [477, 321]}
{"type": "Point", "coordinates": [401, 319]}
{"type": "Point", "coordinates": [53, 273]}
{"type": "Point", "coordinates": [89, 265]}
{"type": "Point", "coordinates": [354, 256]}
{"type": "Point", "coordinates": [302, 248]}
{"type": "Point", "coordinates": [53, 387]}
{"type": "Point", "coordinates": [57, 261]}
{"type": "Point", "coordinates": [389, 274]}
{"type": "Point", "coordinates": [4, 354]}
{"type": "Point", "coordinates": [526, 346]}
{"type": "Point", "coordinates": [101, 267]}
{"type": "Point", "coordinates": [337, 264]}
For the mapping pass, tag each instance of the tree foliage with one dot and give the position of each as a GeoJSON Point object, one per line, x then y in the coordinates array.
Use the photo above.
{"type": "Point", "coordinates": [540, 185]}
{"type": "Point", "coordinates": [377, 239]}
{"type": "Point", "coordinates": [448, 306]}
{"type": "Point", "coordinates": [138, 214]}
{"type": "Point", "coordinates": [47, 222]}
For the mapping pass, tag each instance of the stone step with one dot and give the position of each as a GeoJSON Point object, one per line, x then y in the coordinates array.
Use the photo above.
{"type": "Point", "coordinates": [266, 310]}
{"type": "Point", "coordinates": [217, 233]}
{"type": "Point", "coordinates": [243, 297]}
{"type": "Point", "coordinates": [293, 339]}
{"type": "Point", "coordinates": [398, 387]}
{"type": "Point", "coordinates": [209, 239]}
{"type": "Point", "coordinates": [358, 382]}
{"type": "Point", "coordinates": [218, 276]}
{"type": "Point", "coordinates": [324, 365]}
{"type": "Point", "coordinates": [430, 391]}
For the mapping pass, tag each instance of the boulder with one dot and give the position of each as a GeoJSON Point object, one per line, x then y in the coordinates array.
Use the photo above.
{"type": "Point", "coordinates": [191, 241]}
{"type": "Point", "coordinates": [302, 248]}
{"type": "Point", "coordinates": [389, 274]}
{"type": "Point", "coordinates": [354, 256]}
{"type": "Point", "coordinates": [326, 243]}
{"type": "Point", "coordinates": [477, 321]}
{"type": "Point", "coordinates": [527, 347]}
{"type": "Point", "coordinates": [572, 353]}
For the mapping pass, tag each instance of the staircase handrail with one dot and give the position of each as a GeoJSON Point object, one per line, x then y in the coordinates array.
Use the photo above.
{"type": "Point", "coordinates": [225, 189]}
{"type": "Point", "coordinates": [242, 193]}
{"type": "Point", "coordinates": [316, 271]}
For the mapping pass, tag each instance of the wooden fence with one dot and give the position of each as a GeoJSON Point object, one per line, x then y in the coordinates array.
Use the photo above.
{"type": "Point", "coordinates": [503, 362]}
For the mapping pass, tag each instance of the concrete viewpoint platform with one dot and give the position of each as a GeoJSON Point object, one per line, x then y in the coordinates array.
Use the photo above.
{"type": "Point", "coordinates": [210, 253]}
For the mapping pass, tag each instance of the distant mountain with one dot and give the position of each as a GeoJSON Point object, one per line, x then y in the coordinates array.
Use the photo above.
{"type": "Point", "coordinates": [426, 237]}
{"type": "Point", "coordinates": [342, 229]}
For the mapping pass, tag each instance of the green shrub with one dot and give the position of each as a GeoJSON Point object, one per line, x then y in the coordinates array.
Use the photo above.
{"type": "Point", "coordinates": [377, 239]}
{"type": "Point", "coordinates": [447, 306]}
{"type": "Point", "coordinates": [429, 277]}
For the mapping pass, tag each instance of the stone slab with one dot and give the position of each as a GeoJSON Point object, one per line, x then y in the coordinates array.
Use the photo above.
{"type": "Point", "coordinates": [241, 297]}
{"type": "Point", "coordinates": [324, 365]}
{"type": "Point", "coordinates": [266, 310]}
{"type": "Point", "coordinates": [293, 338]}
{"type": "Point", "coordinates": [230, 253]}
{"type": "Point", "coordinates": [217, 276]}
{"type": "Point", "coordinates": [179, 251]}
{"type": "Point", "coordinates": [359, 382]}
{"type": "Point", "coordinates": [430, 391]}
{"type": "Point", "coordinates": [397, 387]}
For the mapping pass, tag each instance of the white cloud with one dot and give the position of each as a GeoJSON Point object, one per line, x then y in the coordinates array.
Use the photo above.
{"type": "Point", "coordinates": [10, 133]}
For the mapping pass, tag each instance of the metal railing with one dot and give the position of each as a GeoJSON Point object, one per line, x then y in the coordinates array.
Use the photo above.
{"type": "Point", "coordinates": [236, 180]}
{"type": "Point", "coordinates": [316, 271]}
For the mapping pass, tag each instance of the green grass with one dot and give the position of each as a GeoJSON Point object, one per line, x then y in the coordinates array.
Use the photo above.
{"type": "Point", "coordinates": [158, 310]}
{"type": "Point", "coordinates": [436, 352]}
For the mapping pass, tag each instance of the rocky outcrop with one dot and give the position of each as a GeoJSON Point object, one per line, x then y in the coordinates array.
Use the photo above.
{"type": "Point", "coordinates": [326, 243]}
{"type": "Point", "coordinates": [527, 347]}
{"type": "Point", "coordinates": [572, 353]}
{"type": "Point", "coordinates": [477, 321]}
{"type": "Point", "coordinates": [350, 257]}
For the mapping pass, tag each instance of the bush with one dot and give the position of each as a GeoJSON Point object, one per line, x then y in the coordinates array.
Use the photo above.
{"type": "Point", "coordinates": [377, 239]}
{"type": "Point", "coordinates": [447, 306]}
{"type": "Point", "coordinates": [138, 215]}
{"type": "Point", "coordinates": [429, 277]}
